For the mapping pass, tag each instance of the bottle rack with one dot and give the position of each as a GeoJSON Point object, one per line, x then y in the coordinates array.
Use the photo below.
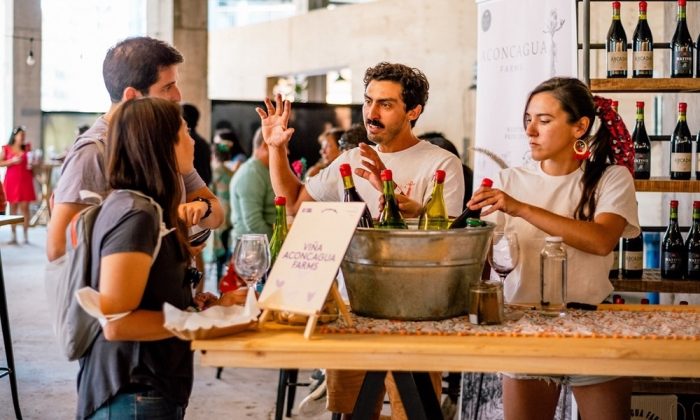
{"type": "Point", "coordinates": [651, 280]}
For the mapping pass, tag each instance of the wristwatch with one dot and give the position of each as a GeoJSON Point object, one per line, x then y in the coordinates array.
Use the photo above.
{"type": "Point", "coordinates": [208, 202]}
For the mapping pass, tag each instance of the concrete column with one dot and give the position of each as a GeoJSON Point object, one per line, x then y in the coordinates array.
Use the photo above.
{"type": "Point", "coordinates": [26, 80]}
{"type": "Point", "coordinates": [190, 36]}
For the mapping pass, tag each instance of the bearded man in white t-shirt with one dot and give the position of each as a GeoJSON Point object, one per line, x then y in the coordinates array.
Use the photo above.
{"type": "Point", "coordinates": [395, 96]}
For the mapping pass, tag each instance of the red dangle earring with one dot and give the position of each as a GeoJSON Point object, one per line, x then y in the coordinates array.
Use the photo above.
{"type": "Point", "coordinates": [581, 151]}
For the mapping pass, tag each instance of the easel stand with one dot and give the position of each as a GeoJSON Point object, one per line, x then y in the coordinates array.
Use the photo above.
{"type": "Point", "coordinates": [313, 318]}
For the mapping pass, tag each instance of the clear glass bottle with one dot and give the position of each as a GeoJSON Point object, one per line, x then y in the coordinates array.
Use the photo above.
{"type": "Point", "coordinates": [553, 275]}
{"type": "Point", "coordinates": [434, 214]}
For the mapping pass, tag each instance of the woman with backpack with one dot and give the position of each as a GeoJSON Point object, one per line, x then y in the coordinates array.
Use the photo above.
{"type": "Point", "coordinates": [136, 369]}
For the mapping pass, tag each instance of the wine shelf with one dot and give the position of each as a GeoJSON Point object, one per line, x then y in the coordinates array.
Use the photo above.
{"type": "Point", "coordinates": [689, 386]}
{"type": "Point", "coordinates": [645, 85]}
{"type": "Point", "coordinates": [666, 185]}
{"type": "Point", "coordinates": [651, 281]}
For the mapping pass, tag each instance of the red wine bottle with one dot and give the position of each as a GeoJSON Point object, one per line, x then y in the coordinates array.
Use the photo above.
{"type": "Point", "coordinates": [470, 216]}
{"type": "Point", "coordinates": [642, 146]}
{"type": "Point", "coordinates": [681, 146]}
{"type": "Point", "coordinates": [681, 46]}
{"type": "Point", "coordinates": [616, 45]}
{"type": "Point", "coordinates": [615, 269]}
{"type": "Point", "coordinates": [390, 218]}
{"type": "Point", "coordinates": [672, 247]}
{"type": "Point", "coordinates": [692, 245]}
{"type": "Point", "coordinates": [632, 257]}
{"type": "Point", "coordinates": [642, 46]}
{"type": "Point", "coordinates": [351, 194]}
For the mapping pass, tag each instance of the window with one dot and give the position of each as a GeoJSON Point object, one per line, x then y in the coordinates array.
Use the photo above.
{"type": "Point", "coordinates": [76, 35]}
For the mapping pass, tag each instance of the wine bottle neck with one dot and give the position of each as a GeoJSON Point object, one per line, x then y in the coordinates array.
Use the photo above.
{"type": "Point", "coordinates": [681, 13]}
{"type": "Point", "coordinates": [616, 14]}
{"type": "Point", "coordinates": [348, 183]}
{"type": "Point", "coordinates": [640, 115]}
{"type": "Point", "coordinates": [642, 15]}
{"type": "Point", "coordinates": [388, 188]}
{"type": "Point", "coordinates": [281, 218]}
{"type": "Point", "coordinates": [696, 216]}
{"type": "Point", "coordinates": [681, 117]}
{"type": "Point", "coordinates": [673, 217]}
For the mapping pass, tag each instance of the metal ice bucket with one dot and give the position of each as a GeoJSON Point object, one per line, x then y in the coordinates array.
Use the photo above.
{"type": "Point", "coordinates": [413, 274]}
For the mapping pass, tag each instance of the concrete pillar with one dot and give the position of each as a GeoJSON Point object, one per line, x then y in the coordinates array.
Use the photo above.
{"type": "Point", "coordinates": [26, 80]}
{"type": "Point", "coordinates": [190, 36]}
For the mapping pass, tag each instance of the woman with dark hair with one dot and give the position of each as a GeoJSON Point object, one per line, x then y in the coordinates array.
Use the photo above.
{"type": "Point", "coordinates": [136, 369]}
{"type": "Point", "coordinates": [19, 179]}
{"type": "Point", "coordinates": [580, 189]}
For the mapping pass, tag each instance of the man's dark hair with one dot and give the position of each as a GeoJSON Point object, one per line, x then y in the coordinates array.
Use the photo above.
{"type": "Point", "coordinates": [136, 62]}
{"type": "Point", "coordinates": [414, 84]}
{"type": "Point", "coordinates": [223, 125]}
{"type": "Point", "coordinates": [191, 115]}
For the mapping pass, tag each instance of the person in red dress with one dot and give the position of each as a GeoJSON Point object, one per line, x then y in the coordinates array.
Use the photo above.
{"type": "Point", "coordinates": [19, 178]}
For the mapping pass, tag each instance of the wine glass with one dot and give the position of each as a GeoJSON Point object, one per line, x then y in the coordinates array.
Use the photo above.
{"type": "Point", "coordinates": [503, 253]}
{"type": "Point", "coordinates": [251, 257]}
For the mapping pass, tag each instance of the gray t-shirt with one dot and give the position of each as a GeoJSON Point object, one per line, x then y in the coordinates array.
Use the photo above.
{"type": "Point", "coordinates": [129, 223]}
{"type": "Point", "coordinates": [85, 168]}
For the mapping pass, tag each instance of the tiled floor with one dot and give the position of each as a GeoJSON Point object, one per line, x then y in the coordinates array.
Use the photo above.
{"type": "Point", "coordinates": [47, 380]}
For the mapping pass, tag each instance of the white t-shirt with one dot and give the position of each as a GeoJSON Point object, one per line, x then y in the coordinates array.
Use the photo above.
{"type": "Point", "coordinates": [413, 170]}
{"type": "Point", "coordinates": [587, 274]}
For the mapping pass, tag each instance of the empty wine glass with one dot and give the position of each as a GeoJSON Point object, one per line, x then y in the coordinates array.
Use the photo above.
{"type": "Point", "coordinates": [251, 257]}
{"type": "Point", "coordinates": [503, 253]}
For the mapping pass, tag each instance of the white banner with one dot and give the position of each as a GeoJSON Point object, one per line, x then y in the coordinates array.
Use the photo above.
{"type": "Point", "coordinates": [520, 44]}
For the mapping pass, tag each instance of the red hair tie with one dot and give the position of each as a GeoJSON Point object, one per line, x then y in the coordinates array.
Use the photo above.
{"type": "Point", "coordinates": [620, 139]}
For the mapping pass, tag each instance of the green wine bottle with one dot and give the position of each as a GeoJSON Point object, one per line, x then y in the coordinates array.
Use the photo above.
{"type": "Point", "coordinates": [434, 214]}
{"type": "Point", "coordinates": [279, 231]}
{"type": "Point", "coordinates": [390, 218]}
{"type": "Point", "coordinates": [469, 217]}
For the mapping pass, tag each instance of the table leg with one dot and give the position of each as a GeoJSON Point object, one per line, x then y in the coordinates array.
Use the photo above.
{"type": "Point", "coordinates": [371, 393]}
{"type": "Point", "coordinates": [7, 339]}
{"type": "Point", "coordinates": [417, 395]}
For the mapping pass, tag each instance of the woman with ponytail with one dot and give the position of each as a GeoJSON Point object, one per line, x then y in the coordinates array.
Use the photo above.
{"type": "Point", "coordinates": [581, 189]}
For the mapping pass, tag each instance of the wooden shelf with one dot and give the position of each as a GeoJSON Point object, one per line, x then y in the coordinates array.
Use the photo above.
{"type": "Point", "coordinates": [666, 185]}
{"type": "Point", "coordinates": [651, 281]}
{"type": "Point", "coordinates": [645, 85]}
{"type": "Point", "coordinates": [642, 385]}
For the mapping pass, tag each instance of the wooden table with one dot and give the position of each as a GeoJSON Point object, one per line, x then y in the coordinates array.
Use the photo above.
{"type": "Point", "coordinates": [5, 325]}
{"type": "Point", "coordinates": [274, 346]}
{"type": "Point", "coordinates": [285, 347]}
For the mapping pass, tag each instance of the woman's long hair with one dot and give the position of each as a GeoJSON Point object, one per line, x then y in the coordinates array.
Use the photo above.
{"type": "Point", "coordinates": [141, 155]}
{"type": "Point", "coordinates": [576, 100]}
{"type": "Point", "coordinates": [12, 140]}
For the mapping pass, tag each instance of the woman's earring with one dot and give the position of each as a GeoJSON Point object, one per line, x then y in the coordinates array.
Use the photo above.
{"type": "Point", "coordinates": [581, 151]}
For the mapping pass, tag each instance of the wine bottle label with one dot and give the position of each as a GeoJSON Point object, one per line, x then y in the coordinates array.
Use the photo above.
{"type": "Point", "coordinates": [680, 162]}
{"type": "Point", "coordinates": [633, 260]}
{"type": "Point", "coordinates": [617, 61]}
{"type": "Point", "coordinates": [694, 262]}
{"type": "Point", "coordinates": [672, 261]}
{"type": "Point", "coordinates": [682, 61]}
{"type": "Point", "coordinates": [641, 162]}
{"type": "Point", "coordinates": [643, 60]}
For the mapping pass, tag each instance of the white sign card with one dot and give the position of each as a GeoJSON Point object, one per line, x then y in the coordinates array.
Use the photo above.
{"type": "Point", "coordinates": [310, 257]}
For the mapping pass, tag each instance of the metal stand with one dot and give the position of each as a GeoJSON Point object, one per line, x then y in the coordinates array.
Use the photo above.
{"type": "Point", "coordinates": [7, 339]}
{"type": "Point", "coordinates": [416, 391]}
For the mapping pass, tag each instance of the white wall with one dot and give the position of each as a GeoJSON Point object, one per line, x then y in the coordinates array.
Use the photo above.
{"type": "Point", "coordinates": [437, 36]}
